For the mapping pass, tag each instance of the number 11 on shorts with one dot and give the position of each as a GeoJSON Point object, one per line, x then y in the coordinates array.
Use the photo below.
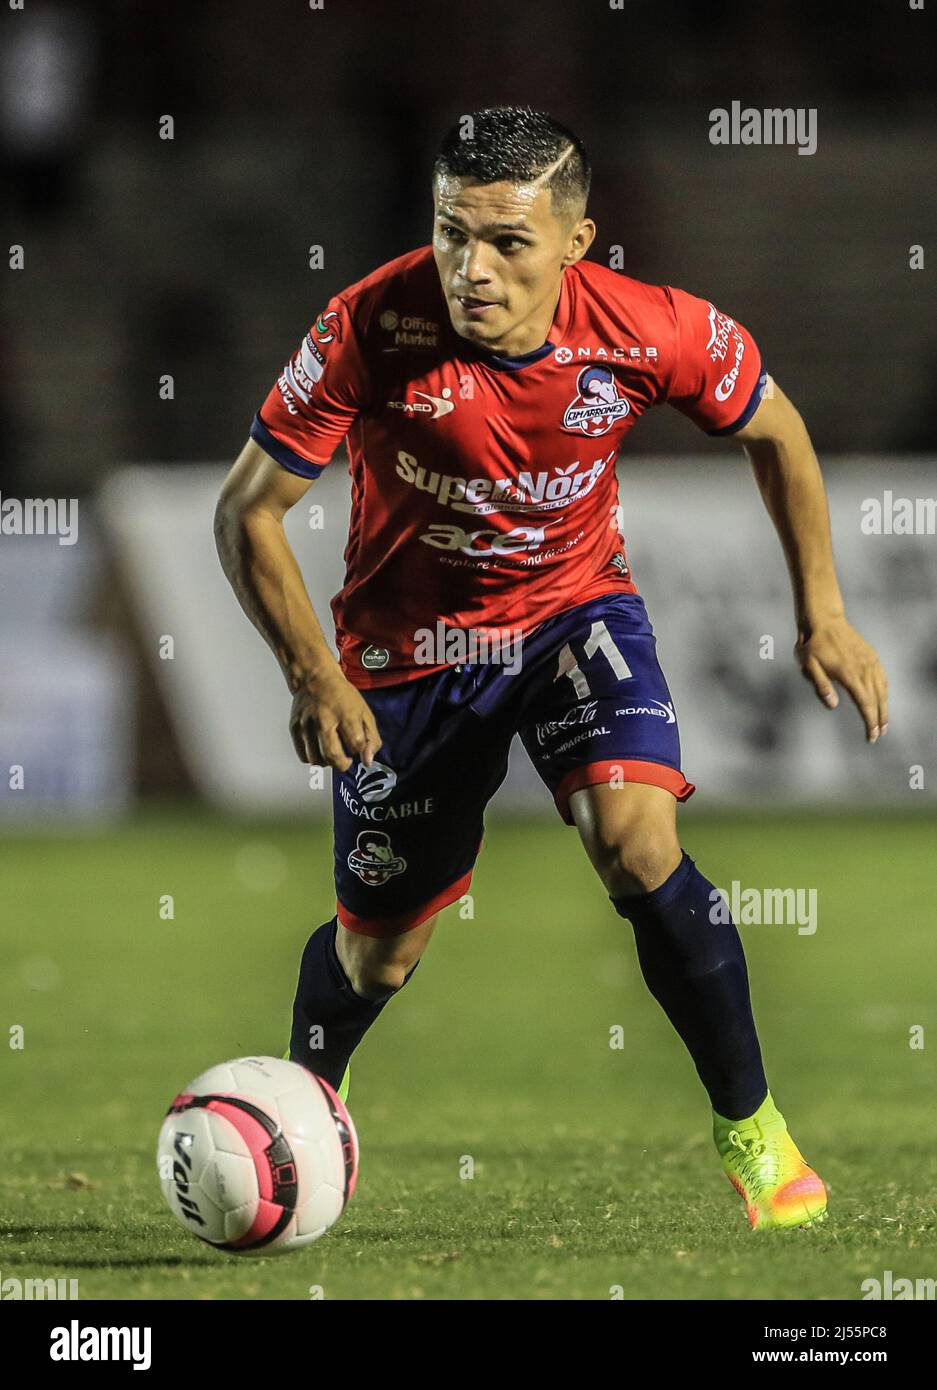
{"type": "Point", "coordinates": [599, 640]}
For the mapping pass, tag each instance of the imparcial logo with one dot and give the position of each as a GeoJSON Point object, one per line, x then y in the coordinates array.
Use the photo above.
{"type": "Point", "coordinates": [597, 404]}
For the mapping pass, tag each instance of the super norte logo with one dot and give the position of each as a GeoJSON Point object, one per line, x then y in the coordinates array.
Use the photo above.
{"type": "Point", "coordinates": [597, 404]}
{"type": "Point", "coordinates": [528, 492]}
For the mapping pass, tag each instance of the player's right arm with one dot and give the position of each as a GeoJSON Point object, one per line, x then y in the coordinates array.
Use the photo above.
{"type": "Point", "coordinates": [330, 722]}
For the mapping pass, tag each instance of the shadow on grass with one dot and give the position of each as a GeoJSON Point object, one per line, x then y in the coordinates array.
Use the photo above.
{"type": "Point", "coordinates": [63, 1230]}
{"type": "Point", "coordinates": [69, 1262]}
{"type": "Point", "coordinates": [59, 1228]}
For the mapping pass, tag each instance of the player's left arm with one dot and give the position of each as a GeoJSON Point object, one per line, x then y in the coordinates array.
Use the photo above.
{"type": "Point", "coordinates": [829, 649]}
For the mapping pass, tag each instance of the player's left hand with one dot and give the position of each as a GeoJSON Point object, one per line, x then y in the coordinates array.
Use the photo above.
{"type": "Point", "coordinates": [835, 652]}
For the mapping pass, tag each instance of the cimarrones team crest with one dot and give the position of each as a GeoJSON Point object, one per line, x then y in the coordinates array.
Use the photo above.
{"type": "Point", "coordinates": [598, 403]}
{"type": "Point", "coordinates": [373, 858]}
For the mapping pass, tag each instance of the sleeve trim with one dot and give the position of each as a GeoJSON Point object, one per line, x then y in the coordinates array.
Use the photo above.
{"type": "Point", "coordinates": [285, 456]}
{"type": "Point", "coordinates": [754, 401]}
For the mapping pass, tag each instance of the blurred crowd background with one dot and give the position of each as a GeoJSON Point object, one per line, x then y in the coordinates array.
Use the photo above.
{"type": "Point", "coordinates": [296, 126]}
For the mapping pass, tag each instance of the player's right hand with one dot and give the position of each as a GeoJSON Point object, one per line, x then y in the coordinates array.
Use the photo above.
{"type": "Point", "coordinates": [331, 724]}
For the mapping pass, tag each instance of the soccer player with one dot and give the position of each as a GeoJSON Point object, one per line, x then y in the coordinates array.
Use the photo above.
{"type": "Point", "coordinates": [484, 386]}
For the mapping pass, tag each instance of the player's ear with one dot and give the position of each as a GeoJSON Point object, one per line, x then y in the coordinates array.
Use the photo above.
{"type": "Point", "coordinates": [581, 238]}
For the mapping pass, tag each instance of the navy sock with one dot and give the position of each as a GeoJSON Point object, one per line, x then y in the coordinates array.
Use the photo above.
{"type": "Point", "coordinates": [326, 1002]}
{"type": "Point", "coordinates": [695, 969]}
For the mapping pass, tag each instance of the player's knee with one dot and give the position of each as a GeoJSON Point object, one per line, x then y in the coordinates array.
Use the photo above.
{"type": "Point", "coordinates": [373, 979]}
{"type": "Point", "coordinates": [376, 966]}
{"type": "Point", "coordinates": [639, 860]}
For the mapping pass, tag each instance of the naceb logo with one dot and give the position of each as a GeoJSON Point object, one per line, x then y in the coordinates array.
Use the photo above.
{"type": "Point", "coordinates": [373, 858]}
{"type": "Point", "coordinates": [597, 404]}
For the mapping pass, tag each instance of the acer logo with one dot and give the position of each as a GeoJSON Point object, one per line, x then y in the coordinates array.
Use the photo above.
{"type": "Point", "coordinates": [485, 542]}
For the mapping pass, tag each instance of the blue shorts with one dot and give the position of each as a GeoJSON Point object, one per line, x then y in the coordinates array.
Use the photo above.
{"type": "Point", "coordinates": [590, 703]}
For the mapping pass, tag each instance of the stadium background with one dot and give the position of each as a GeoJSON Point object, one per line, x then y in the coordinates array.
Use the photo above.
{"type": "Point", "coordinates": [158, 768]}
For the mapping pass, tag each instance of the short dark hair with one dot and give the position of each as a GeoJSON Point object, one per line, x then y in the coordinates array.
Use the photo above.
{"type": "Point", "coordinates": [518, 145]}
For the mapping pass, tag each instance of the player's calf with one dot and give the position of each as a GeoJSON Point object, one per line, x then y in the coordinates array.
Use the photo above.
{"type": "Point", "coordinates": [692, 962]}
{"type": "Point", "coordinates": [336, 1004]}
{"type": "Point", "coordinates": [377, 967]}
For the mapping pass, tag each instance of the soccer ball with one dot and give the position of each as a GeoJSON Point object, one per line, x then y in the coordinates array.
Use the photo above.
{"type": "Point", "coordinates": [257, 1156]}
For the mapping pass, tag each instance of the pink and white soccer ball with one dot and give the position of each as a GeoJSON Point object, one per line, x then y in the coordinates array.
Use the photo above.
{"type": "Point", "coordinates": [257, 1156]}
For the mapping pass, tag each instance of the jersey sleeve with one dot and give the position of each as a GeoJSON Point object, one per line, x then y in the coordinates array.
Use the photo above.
{"type": "Point", "coordinates": [317, 397]}
{"type": "Point", "coordinates": [717, 380]}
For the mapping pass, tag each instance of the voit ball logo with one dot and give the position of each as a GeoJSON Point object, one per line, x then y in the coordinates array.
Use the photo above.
{"type": "Point", "coordinates": [598, 403]}
{"type": "Point", "coordinates": [373, 858]}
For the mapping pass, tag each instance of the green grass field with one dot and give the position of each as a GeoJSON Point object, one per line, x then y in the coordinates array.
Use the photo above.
{"type": "Point", "coordinates": [593, 1166]}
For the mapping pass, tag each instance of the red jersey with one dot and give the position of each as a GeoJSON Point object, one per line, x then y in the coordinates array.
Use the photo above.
{"type": "Point", "coordinates": [484, 493]}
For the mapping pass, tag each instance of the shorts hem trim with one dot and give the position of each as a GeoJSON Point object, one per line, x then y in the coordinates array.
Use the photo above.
{"type": "Point", "coordinates": [629, 770]}
{"type": "Point", "coordinates": [402, 922]}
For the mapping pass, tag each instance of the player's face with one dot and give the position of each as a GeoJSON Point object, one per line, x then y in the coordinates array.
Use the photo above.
{"type": "Point", "coordinates": [500, 250]}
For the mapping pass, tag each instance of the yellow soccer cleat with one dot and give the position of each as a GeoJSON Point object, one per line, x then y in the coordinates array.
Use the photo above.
{"type": "Point", "coordinates": [768, 1171]}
